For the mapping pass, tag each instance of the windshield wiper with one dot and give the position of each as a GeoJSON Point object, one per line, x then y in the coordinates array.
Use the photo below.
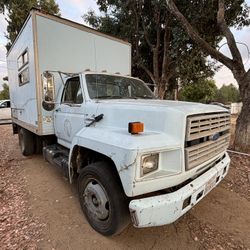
{"type": "Point", "coordinates": [108, 97]}
{"type": "Point", "coordinates": [123, 97]}
{"type": "Point", "coordinates": [144, 97]}
{"type": "Point", "coordinates": [115, 97]}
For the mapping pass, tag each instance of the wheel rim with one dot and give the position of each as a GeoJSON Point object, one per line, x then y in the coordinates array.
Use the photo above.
{"type": "Point", "coordinates": [96, 200]}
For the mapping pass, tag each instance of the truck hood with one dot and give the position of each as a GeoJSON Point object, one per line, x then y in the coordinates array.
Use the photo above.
{"type": "Point", "coordinates": [186, 108]}
{"type": "Point", "coordinates": [158, 116]}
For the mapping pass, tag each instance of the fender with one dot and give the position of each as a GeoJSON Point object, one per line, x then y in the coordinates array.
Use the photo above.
{"type": "Point", "coordinates": [110, 144]}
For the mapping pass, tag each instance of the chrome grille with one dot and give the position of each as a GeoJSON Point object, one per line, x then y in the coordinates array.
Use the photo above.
{"type": "Point", "coordinates": [205, 125]}
{"type": "Point", "coordinates": [201, 130]}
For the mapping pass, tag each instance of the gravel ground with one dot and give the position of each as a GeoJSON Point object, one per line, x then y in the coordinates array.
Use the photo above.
{"type": "Point", "coordinates": [18, 228]}
{"type": "Point", "coordinates": [39, 209]}
{"type": "Point", "coordinates": [239, 179]}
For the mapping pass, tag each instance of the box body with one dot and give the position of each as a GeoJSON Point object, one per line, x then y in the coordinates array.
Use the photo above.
{"type": "Point", "coordinates": [47, 42]}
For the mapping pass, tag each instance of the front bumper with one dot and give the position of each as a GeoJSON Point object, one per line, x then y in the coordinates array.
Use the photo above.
{"type": "Point", "coordinates": [165, 209]}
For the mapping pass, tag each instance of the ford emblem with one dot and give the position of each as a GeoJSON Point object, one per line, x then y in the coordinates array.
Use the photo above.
{"type": "Point", "coordinates": [214, 137]}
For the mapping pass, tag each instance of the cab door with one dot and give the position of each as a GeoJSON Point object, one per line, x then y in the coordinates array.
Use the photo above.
{"type": "Point", "coordinates": [69, 115]}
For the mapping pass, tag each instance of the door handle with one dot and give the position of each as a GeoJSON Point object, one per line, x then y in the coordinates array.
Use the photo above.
{"type": "Point", "coordinates": [58, 110]}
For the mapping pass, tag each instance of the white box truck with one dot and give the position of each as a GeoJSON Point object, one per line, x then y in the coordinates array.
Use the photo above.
{"type": "Point", "coordinates": [135, 158]}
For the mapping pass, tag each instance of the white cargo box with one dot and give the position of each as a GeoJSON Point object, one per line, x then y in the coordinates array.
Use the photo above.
{"type": "Point", "coordinates": [48, 42]}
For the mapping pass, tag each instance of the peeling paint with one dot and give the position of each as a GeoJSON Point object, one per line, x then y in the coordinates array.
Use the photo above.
{"type": "Point", "coordinates": [125, 167]}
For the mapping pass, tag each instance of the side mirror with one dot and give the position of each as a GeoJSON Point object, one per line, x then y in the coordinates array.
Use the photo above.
{"type": "Point", "coordinates": [48, 91]}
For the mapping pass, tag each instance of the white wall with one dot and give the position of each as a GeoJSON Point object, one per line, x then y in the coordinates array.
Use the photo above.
{"type": "Point", "coordinates": [236, 108]}
{"type": "Point", "coordinates": [65, 48]}
{"type": "Point", "coordinates": [69, 49]}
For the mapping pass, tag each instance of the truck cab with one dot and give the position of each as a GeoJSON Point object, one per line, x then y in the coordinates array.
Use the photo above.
{"type": "Point", "coordinates": [81, 96]}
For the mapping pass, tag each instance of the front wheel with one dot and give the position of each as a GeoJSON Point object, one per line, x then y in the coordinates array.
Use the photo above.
{"type": "Point", "coordinates": [102, 199]}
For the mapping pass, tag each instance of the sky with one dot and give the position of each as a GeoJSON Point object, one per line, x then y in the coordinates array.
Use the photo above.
{"type": "Point", "coordinates": [75, 9]}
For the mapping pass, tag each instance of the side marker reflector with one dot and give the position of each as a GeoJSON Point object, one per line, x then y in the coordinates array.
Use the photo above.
{"type": "Point", "coordinates": [135, 127]}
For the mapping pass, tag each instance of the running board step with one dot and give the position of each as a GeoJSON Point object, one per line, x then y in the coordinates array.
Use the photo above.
{"type": "Point", "coordinates": [57, 156]}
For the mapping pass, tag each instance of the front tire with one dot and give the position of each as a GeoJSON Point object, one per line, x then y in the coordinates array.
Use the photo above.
{"type": "Point", "coordinates": [102, 199]}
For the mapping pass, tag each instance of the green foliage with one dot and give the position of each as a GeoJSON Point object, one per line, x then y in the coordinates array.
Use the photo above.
{"type": "Point", "coordinates": [187, 62]}
{"type": "Point", "coordinates": [201, 91]}
{"type": "Point", "coordinates": [17, 11]}
{"type": "Point", "coordinates": [4, 94]}
{"type": "Point", "coordinates": [228, 94]}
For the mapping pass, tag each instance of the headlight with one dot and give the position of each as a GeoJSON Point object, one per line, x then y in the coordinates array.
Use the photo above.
{"type": "Point", "coordinates": [149, 163]}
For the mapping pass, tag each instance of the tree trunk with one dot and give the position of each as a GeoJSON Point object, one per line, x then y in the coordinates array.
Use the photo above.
{"type": "Point", "coordinates": [242, 133]}
{"type": "Point", "coordinates": [161, 91]}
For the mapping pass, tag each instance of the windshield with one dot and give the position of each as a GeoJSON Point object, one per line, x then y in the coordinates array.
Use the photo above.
{"type": "Point", "coordinates": [116, 87]}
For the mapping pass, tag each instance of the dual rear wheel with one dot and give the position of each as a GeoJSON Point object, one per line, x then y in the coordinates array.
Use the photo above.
{"type": "Point", "coordinates": [29, 142]}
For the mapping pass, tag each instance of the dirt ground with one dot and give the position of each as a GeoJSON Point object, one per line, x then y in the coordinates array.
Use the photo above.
{"type": "Point", "coordinates": [39, 209]}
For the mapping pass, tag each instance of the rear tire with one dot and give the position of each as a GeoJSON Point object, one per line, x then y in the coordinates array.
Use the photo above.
{"type": "Point", "coordinates": [102, 199]}
{"type": "Point", "coordinates": [39, 144]}
{"type": "Point", "coordinates": [26, 142]}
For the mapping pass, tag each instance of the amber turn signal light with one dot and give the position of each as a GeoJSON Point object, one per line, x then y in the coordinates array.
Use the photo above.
{"type": "Point", "coordinates": [135, 127]}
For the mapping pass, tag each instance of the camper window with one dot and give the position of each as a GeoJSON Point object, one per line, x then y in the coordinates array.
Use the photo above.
{"type": "Point", "coordinates": [23, 59]}
{"type": "Point", "coordinates": [23, 77]}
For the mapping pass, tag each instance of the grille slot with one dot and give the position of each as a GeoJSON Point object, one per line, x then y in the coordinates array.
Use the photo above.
{"type": "Point", "coordinates": [202, 128]}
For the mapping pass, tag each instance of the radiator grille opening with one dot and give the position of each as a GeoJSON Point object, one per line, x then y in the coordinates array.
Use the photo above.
{"type": "Point", "coordinates": [207, 136]}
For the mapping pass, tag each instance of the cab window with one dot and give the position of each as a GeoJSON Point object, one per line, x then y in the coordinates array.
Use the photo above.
{"type": "Point", "coordinates": [72, 93]}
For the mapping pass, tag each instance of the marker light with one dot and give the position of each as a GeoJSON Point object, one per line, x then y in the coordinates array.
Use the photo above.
{"type": "Point", "coordinates": [135, 127]}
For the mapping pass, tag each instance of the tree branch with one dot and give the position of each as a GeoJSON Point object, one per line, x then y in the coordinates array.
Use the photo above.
{"type": "Point", "coordinates": [149, 73]}
{"type": "Point", "coordinates": [146, 35]}
{"type": "Point", "coordinates": [166, 46]}
{"type": "Point", "coordinates": [227, 32]}
{"type": "Point", "coordinates": [158, 29]}
{"type": "Point", "coordinates": [144, 28]}
{"type": "Point", "coordinates": [194, 35]}
{"type": "Point", "coordinates": [136, 32]}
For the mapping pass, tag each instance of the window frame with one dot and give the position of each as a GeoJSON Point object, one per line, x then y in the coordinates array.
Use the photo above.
{"type": "Point", "coordinates": [23, 67]}
{"type": "Point", "coordinates": [22, 57]}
